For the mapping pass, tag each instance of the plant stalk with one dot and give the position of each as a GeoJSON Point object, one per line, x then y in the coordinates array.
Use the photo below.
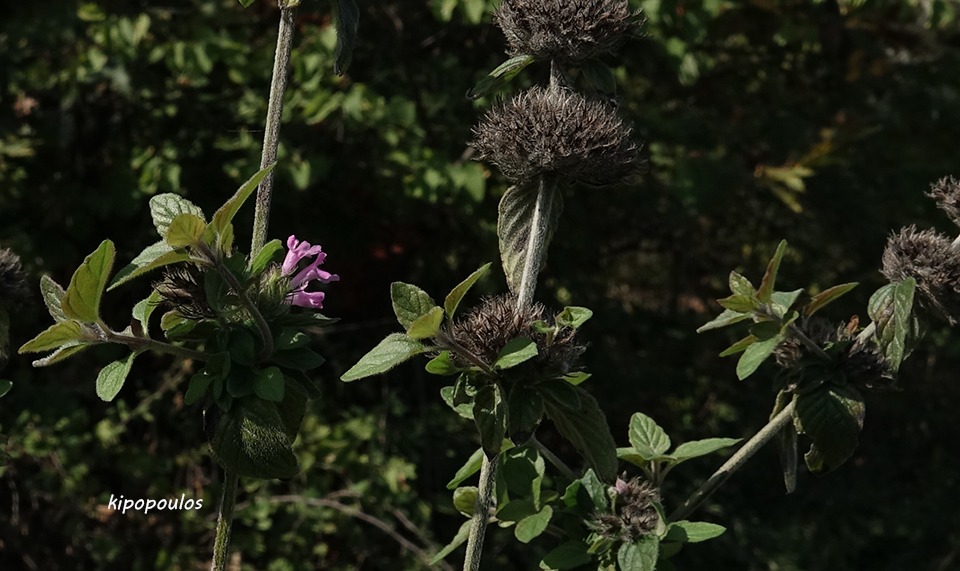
{"type": "Point", "coordinates": [271, 135]}
{"type": "Point", "coordinates": [144, 343]}
{"type": "Point", "coordinates": [549, 456]}
{"type": "Point", "coordinates": [221, 544]}
{"type": "Point", "coordinates": [481, 513]}
{"type": "Point", "coordinates": [735, 462]}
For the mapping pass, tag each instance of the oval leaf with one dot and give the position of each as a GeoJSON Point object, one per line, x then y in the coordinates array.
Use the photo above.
{"type": "Point", "coordinates": [111, 378]}
{"type": "Point", "coordinates": [165, 207]}
{"type": "Point", "coordinates": [698, 448]}
{"type": "Point", "coordinates": [453, 299]}
{"type": "Point", "coordinates": [63, 333]}
{"type": "Point", "coordinates": [516, 351]}
{"type": "Point", "coordinates": [647, 437]}
{"type": "Point", "coordinates": [684, 531]}
{"type": "Point", "coordinates": [640, 555]}
{"type": "Point", "coordinates": [528, 216]}
{"type": "Point", "coordinates": [832, 417]}
{"type": "Point", "coordinates": [81, 301]}
{"type": "Point", "coordinates": [392, 351]}
{"type": "Point", "coordinates": [409, 303]}
{"type": "Point", "coordinates": [532, 526]}
{"type": "Point", "coordinates": [427, 325]}
{"type": "Point", "coordinates": [185, 230]}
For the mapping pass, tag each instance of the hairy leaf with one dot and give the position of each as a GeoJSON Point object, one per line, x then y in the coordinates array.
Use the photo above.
{"type": "Point", "coordinates": [82, 298]}
{"type": "Point", "coordinates": [392, 351]}
{"type": "Point", "coordinates": [528, 218]}
{"type": "Point", "coordinates": [453, 299]}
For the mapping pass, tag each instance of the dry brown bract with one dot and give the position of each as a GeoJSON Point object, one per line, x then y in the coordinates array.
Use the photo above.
{"type": "Point", "coordinates": [929, 258]}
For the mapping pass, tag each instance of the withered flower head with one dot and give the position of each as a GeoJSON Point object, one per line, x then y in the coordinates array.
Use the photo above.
{"type": "Point", "coordinates": [946, 192]}
{"type": "Point", "coordinates": [559, 133]}
{"type": "Point", "coordinates": [488, 327]}
{"type": "Point", "coordinates": [13, 282]}
{"type": "Point", "coordinates": [182, 288]}
{"type": "Point", "coordinates": [565, 30]}
{"type": "Point", "coordinates": [859, 364]}
{"type": "Point", "coordinates": [635, 513]}
{"type": "Point", "coordinates": [931, 259]}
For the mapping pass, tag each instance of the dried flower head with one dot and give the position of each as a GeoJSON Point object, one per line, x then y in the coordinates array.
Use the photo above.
{"type": "Point", "coordinates": [565, 30]}
{"type": "Point", "coordinates": [635, 514]}
{"type": "Point", "coordinates": [13, 281]}
{"type": "Point", "coordinates": [182, 288]}
{"type": "Point", "coordinates": [559, 133]}
{"type": "Point", "coordinates": [488, 327]}
{"type": "Point", "coordinates": [931, 259]}
{"type": "Point", "coordinates": [946, 192]}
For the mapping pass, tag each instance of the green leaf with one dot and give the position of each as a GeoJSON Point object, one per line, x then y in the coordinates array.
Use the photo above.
{"type": "Point", "coordinates": [409, 303]}
{"type": "Point", "coordinates": [82, 298]}
{"type": "Point", "coordinates": [197, 388]}
{"type": "Point", "coordinates": [165, 207]}
{"type": "Point", "coordinates": [532, 526]}
{"type": "Point", "coordinates": [698, 448]}
{"type": "Point", "coordinates": [5, 387]}
{"type": "Point", "coordinates": [111, 378]}
{"type": "Point", "coordinates": [832, 417]}
{"type": "Point", "coordinates": [185, 230]}
{"type": "Point", "coordinates": [427, 325]}
{"type": "Point", "coordinates": [739, 303]}
{"type": "Point", "coordinates": [561, 392]}
{"type": "Point", "coordinates": [755, 355]}
{"type": "Point", "coordinates": [595, 489]}
{"type": "Point", "coordinates": [783, 300]}
{"type": "Point", "coordinates": [348, 22]}
{"type": "Point", "coordinates": [516, 351]}
{"type": "Point", "coordinates": [567, 555]}
{"type": "Point", "coordinates": [728, 317]}
{"type": "Point", "coordinates": [269, 384]}
{"type": "Point", "coordinates": [740, 285]}
{"type": "Point", "coordinates": [464, 409]}
{"type": "Point", "coordinates": [524, 410]}
{"type": "Point", "coordinates": [826, 296]}
{"type": "Point", "coordinates": [63, 333]}
{"type": "Point", "coordinates": [515, 510]}
{"type": "Point", "coordinates": [684, 531]}
{"type": "Point", "coordinates": [526, 223]}
{"type": "Point", "coordinates": [224, 215]}
{"type": "Point", "coordinates": [471, 467]}
{"type": "Point", "coordinates": [465, 499]}
{"type": "Point", "coordinates": [499, 77]}
{"type": "Point", "coordinates": [599, 77]}
{"type": "Point", "coordinates": [64, 352]}
{"type": "Point", "coordinates": [246, 3]}
{"type": "Point", "coordinates": [142, 312]}
{"type": "Point", "coordinates": [490, 416]}
{"type": "Point", "coordinates": [739, 346]}
{"type": "Point", "coordinates": [442, 364]}
{"type": "Point", "coordinates": [453, 299]}
{"type": "Point", "coordinates": [647, 437]}
{"type": "Point", "coordinates": [300, 359]}
{"type": "Point", "coordinates": [640, 555]}
{"type": "Point", "coordinates": [573, 316]}
{"type": "Point", "coordinates": [788, 456]}
{"type": "Point", "coordinates": [392, 351]}
{"type": "Point", "coordinates": [267, 254]}
{"type": "Point", "coordinates": [152, 257]}
{"type": "Point", "coordinates": [456, 542]}
{"type": "Point", "coordinates": [251, 440]}
{"type": "Point", "coordinates": [770, 276]}
{"type": "Point", "coordinates": [902, 309]}
{"type": "Point", "coordinates": [52, 297]}
{"type": "Point", "coordinates": [586, 428]}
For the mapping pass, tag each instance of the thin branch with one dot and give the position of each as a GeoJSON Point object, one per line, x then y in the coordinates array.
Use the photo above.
{"type": "Point", "coordinates": [553, 458]}
{"type": "Point", "coordinates": [143, 343]}
{"type": "Point", "coordinates": [221, 544]}
{"type": "Point", "coordinates": [481, 513]}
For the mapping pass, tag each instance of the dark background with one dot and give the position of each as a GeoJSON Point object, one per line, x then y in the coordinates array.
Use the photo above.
{"type": "Point", "coordinates": [821, 123]}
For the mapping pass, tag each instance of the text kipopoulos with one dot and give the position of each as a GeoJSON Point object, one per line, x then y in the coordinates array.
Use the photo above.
{"type": "Point", "coordinates": [183, 503]}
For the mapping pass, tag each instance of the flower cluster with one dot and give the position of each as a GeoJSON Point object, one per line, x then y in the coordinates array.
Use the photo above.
{"type": "Point", "coordinates": [300, 280]}
{"type": "Point", "coordinates": [933, 261]}
{"type": "Point", "coordinates": [13, 282]}
{"type": "Point", "coordinates": [635, 512]}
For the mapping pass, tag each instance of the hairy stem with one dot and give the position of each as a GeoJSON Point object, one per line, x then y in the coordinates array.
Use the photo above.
{"type": "Point", "coordinates": [221, 544]}
{"type": "Point", "coordinates": [800, 336]}
{"type": "Point", "coordinates": [481, 513]}
{"type": "Point", "coordinates": [145, 343]}
{"type": "Point", "coordinates": [271, 136]}
{"type": "Point", "coordinates": [549, 456]}
{"type": "Point", "coordinates": [734, 463]}
{"type": "Point", "coordinates": [536, 246]}
{"type": "Point", "coordinates": [262, 326]}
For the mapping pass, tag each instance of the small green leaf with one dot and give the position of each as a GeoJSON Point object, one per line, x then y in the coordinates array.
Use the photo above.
{"type": "Point", "coordinates": [755, 355]}
{"type": "Point", "coordinates": [165, 207]}
{"type": "Point", "coordinates": [471, 467]}
{"type": "Point", "coordinates": [64, 352]}
{"type": "Point", "coordinates": [427, 325]}
{"type": "Point", "coordinates": [698, 448]}
{"type": "Point", "coordinates": [902, 310]}
{"type": "Point", "coordinates": [111, 378]}
{"type": "Point", "coordinates": [409, 303]}
{"type": "Point", "coordinates": [143, 310]}
{"type": "Point", "coordinates": [515, 510]}
{"type": "Point", "coordinates": [728, 317]}
{"type": "Point", "coordinates": [185, 230]}
{"type": "Point", "coordinates": [586, 428]}
{"type": "Point", "coordinates": [453, 299]}
{"type": "Point", "coordinates": [573, 316]}
{"type": "Point", "coordinates": [640, 555]}
{"type": "Point", "coordinates": [739, 303]}
{"type": "Point", "coordinates": [783, 300]}
{"type": "Point", "coordinates": [152, 257]}
{"type": "Point", "coordinates": [465, 499]}
{"type": "Point", "coordinates": [58, 334]}
{"type": "Point", "coordinates": [561, 392]}
{"type": "Point", "coordinates": [770, 276]}
{"type": "Point", "coordinates": [392, 351]}
{"type": "Point", "coordinates": [251, 440]}
{"type": "Point", "coordinates": [499, 77]}
{"type": "Point", "coordinates": [826, 296]}
{"type": "Point", "coordinates": [490, 417]}
{"type": "Point", "coordinates": [684, 531]}
{"type": "Point", "coordinates": [631, 455]}
{"type": "Point", "coordinates": [246, 3]}
{"type": "Point", "coordinates": [267, 254]}
{"type": "Point", "coordinates": [647, 437]}
{"type": "Point", "coordinates": [568, 555]}
{"type": "Point", "coordinates": [516, 351]}
{"type": "Point", "coordinates": [524, 410]}
{"type": "Point", "coordinates": [595, 489]}
{"type": "Point", "coordinates": [739, 346]}
{"type": "Point", "coordinates": [788, 456]}
{"type": "Point", "coordinates": [52, 297]}
{"type": "Point", "coordinates": [832, 417]}
{"type": "Point", "coordinates": [197, 388]}
{"type": "Point", "coordinates": [442, 364]}
{"type": "Point", "coordinates": [269, 384]}
{"type": "Point", "coordinates": [5, 387]}
{"type": "Point", "coordinates": [740, 285]}
{"type": "Point", "coordinates": [300, 359]}
{"type": "Point", "coordinates": [456, 542]}
{"type": "Point", "coordinates": [449, 396]}
{"type": "Point", "coordinates": [224, 215]}
{"type": "Point", "coordinates": [532, 526]}
{"type": "Point", "coordinates": [348, 22]}
{"type": "Point", "coordinates": [82, 298]}
{"type": "Point", "coordinates": [527, 219]}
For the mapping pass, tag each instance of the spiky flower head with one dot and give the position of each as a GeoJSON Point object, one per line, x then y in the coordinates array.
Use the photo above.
{"type": "Point", "coordinates": [931, 259]}
{"type": "Point", "coordinates": [486, 329]}
{"type": "Point", "coordinates": [557, 133]}
{"type": "Point", "coordinates": [13, 281]}
{"type": "Point", "coordinates": [182, 288]}
{"type": "Point", "coordinates": [565, 30]}
{"type": "Point", "coordinates": [635, 513]}
{"type": "Point", "coordinates": [946, 192]}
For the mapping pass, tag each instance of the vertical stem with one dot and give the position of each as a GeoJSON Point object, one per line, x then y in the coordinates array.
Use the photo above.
{"type": "Point", "coordinates": [735, 462]}
{"type": "Point", "coordinates": [221, 544]}
{"type": "Point", "coordinates": [271, 136]}
{"type": "Point", "coordinates": [481, 513]}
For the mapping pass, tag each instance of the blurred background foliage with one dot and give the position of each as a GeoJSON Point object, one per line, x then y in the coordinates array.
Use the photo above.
{"type": "Point", "coordinates": [821, 122]}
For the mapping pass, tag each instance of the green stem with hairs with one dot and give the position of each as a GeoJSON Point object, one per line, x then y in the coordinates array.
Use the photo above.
{"type": "Point", "coordinates": [481, 513]}
{"type": "Point", "coordinates": [271, 136]}
{"type": "Point", "coordinates": [145, 343]}
{"type": "Point", "coordinates": [221, 544]}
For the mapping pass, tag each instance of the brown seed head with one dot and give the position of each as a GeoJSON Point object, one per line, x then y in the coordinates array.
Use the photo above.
{"type": "Point", "coordinates": [635, 513]}
{"type": "Point", "coordinates": [946, 192]}
{"type": "Point", "coordinates": [182, 288]}
{"type": "Point", "coordinates": [13, 281]}
{"type": "Point", "coordinates": [931, 259]}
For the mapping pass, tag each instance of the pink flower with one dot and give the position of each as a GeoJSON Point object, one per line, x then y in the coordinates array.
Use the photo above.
{"type": "Point", "coordinates": [297, 251]}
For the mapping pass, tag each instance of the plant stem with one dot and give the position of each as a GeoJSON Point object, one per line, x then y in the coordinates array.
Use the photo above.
{"type": "Point", "coordinates": [807, 342]}
{"type": "Point", "coordinates": [271, 136]}
{"type": "Point", "coordinates": [481, 513]}
{"type": "Point", "coordinates": [549, 456]}
{"type": "Point", "coordinates": [735, 462]}
{"type": "Point", "coordinates": [262, 326]}
{"type": "Point", "coordinates": [143, 343]}
{"type": "Point", "coordinates": [221, 544]}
